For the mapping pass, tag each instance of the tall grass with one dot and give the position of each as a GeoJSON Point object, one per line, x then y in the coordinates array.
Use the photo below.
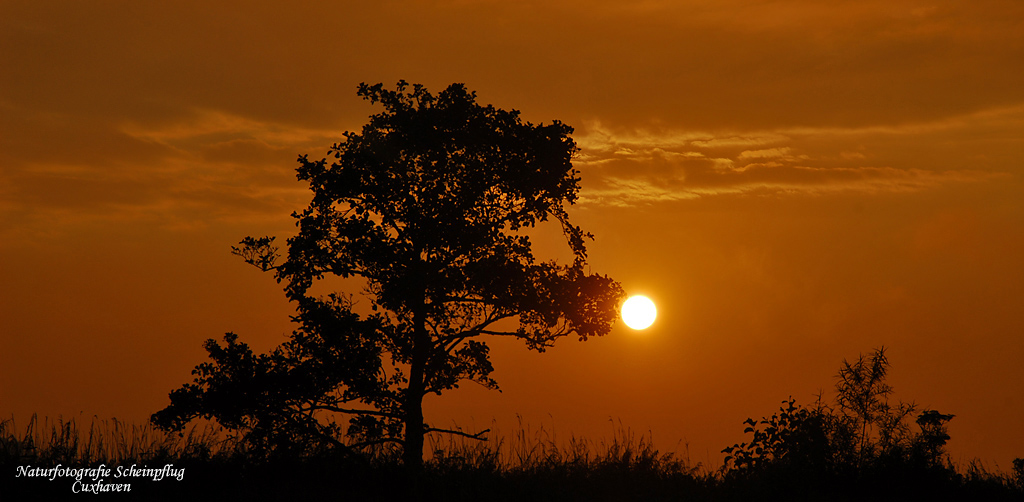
{"type": "Point", "coordinates": [530, 464]}
{"type": "Point", "coordinates": [59, 441]}
{"type": "Point", "coordinates": [526, 464]}
{"type": "Point", "coordinates": [528, 451]}
{"type": "Point", "coordinates": [112, 441]}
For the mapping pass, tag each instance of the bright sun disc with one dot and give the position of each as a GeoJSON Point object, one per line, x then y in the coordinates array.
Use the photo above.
{"type": "Point", "coordinates": [638, 312]}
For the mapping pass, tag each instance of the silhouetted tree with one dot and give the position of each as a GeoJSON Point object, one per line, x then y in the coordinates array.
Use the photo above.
{"type": "Point", "coordinates": [428, 207]}
{"type": "Point", "coordinates": [929, 446]}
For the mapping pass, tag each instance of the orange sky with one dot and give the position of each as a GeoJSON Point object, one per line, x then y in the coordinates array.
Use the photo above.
{"type": "Point", "coordinates": [793, 182]}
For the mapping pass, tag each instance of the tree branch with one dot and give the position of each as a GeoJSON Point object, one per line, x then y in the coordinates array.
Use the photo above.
{"type": "Point", "coordinates": [477, 436]}
{"type": "Point", "coordinates": [376, 441]}
{"type": "Point", "coordinates": [479, 329]}
{"type": "Point", "coordinates": [353, 411]}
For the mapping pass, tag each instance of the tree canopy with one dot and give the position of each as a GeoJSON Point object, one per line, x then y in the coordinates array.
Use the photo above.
{"type": "Point", "coordinates": [430, 205]}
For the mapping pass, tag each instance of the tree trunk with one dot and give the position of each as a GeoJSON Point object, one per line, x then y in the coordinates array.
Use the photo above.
{"type": "Point", "coordinates": [412, 454]}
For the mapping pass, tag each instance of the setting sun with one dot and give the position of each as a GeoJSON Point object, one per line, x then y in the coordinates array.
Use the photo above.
{"type": "Point", "coordinates": [638, 312]}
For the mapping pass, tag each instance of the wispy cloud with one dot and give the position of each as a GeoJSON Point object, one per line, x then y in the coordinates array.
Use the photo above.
{"type": "Point", "coordinates": [765, 154]}
{"type": "Point", "coordinates": [638, 167]}
{"type": "Point", "coordinates": [203, 167]}
{"type": "Point", "coordinates": [204, 128]}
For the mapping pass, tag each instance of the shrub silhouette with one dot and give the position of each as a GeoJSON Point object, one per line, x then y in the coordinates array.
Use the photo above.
{"type": "Point", "coordinates": [863, 440]}
{"type": "Point", "coordinates": [429, 206]}
{"type": "Point", "coordinates": [795, 436]}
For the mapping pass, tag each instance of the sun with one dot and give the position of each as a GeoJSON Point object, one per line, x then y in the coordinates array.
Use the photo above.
{"type": "Point", "coordinates": [639, 312]}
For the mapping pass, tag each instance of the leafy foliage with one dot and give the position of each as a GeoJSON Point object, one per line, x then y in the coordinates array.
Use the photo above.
{"type": "Point", "coordinates": [273, 398]}
{"type": "Point", "coordinates": [865, 432]}
{"type": "Point", "coordinates": [430, 205]}
{"type": "Point", "coordinates": [793, 435]}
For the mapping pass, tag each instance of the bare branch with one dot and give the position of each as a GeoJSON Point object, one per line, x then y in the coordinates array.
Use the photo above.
{"type": "Point", "coordinates": [478, 436]}
{"type": "Point", "coordinates": [354, 411]}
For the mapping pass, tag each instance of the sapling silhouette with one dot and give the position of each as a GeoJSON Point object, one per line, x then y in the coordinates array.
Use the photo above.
{"type": "Point", "coordinates": [863, 394]}
{"type": "Point", "coordinates": [429, 205]}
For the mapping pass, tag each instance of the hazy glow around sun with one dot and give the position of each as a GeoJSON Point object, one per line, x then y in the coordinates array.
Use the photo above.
{"type": "Point", "coordinates": [639, 312]}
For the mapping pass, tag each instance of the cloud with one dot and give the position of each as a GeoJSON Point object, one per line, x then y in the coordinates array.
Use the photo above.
{"type": "Point", "coordinates": [740, 141]}
{"type": "Point", "coordinates": [638, 167]}
{"type": "Point", "coordinates": [203, 128]}
{"type": "Point", "coordinates": [595, 136]}
{"type": "Point", "coordinates": [138, 104]}
{"type": "Point", "coordinates": [765, 154]}
{"type": "Point", "coordinates": [624, 192]}
{"type": "Point", "coordinates": [774, 179]}
{"type": "Point", "coordinates": [207, 166]}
